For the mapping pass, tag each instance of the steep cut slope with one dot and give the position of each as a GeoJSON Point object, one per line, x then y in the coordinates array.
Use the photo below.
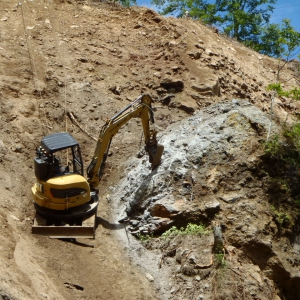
{"type": "Point", "coordinates": [92, 59]}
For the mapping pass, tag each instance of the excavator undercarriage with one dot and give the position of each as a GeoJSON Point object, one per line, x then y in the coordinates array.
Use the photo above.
{"type": "Point", "coordinates": [83, 227]}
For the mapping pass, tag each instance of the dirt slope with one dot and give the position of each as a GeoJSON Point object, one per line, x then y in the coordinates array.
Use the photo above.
{"type": "Point", "coordinates": [92, 59]}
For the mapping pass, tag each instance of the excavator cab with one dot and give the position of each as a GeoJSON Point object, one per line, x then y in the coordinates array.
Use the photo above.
{"type": "Point", "coordinates": [48, 162]}
{"type": "Point", "coordinates": [61, 190]}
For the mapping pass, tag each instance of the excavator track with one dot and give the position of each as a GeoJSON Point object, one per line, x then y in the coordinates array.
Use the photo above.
{"type": "Point", "coordinates": [86, 230]}
{"type": "Point", "coordinates": [79, 222]}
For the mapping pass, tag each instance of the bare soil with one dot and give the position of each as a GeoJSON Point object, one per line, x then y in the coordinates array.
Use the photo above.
{"type": "Point", "coordinates": [92, 59]}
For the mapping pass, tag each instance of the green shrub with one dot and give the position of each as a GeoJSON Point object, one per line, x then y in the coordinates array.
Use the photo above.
{"type": "Point", "coordinates": [220, 258]}
{"type": "Point", "coordinates": [273, 147]}
{"type": "Point", "coordinates": [144, 237]}
{"type": "Point", "coordinates": [283, 156]}
{"type": "Point", "coordinates": [281, 217]}
{"type": "Point", "coordinates": [191, 229]}
{"type": "Point", "coordinates": [293, 136]}
{"type": "Point", "coordinates": [293, 93]}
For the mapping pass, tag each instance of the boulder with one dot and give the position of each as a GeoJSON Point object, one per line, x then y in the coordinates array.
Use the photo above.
{"type": "Point", "coordinates": [160, 225]}
{"type": "Point", "coordinates": [159, 210]}
{"type": "Point", "coordinates": [200, 152]}
{"type": "Point", "coordinates": [209, 88]}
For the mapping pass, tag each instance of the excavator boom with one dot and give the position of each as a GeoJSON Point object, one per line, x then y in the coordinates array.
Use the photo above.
{"type": "Point", "coordinates": [141, 107]}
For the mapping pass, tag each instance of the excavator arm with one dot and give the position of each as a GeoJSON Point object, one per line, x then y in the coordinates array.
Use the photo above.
{"type": "Point", "coordinates": [141, 107]}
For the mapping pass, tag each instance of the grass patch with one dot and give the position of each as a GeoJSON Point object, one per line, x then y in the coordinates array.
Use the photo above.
{"type": "Point", "coordinates": [220, 259]}
{"type": "Point", "coordinates": [144, 237]}
{"type": "Point", "coordinates": [191, 229]}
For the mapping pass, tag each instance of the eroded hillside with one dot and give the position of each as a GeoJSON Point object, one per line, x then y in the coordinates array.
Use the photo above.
{"type": "Point", "coordinates": [92, 59]}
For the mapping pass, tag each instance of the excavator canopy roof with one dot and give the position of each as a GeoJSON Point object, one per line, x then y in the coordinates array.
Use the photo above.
{"type": "Point", "coordinates": [58, 141]}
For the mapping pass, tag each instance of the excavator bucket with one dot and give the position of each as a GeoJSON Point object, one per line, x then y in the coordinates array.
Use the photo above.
{"type": "Point", "coordinates": [155, 157]}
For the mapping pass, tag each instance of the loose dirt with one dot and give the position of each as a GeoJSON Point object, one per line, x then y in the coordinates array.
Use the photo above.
{"type": "Point", "coordinates": [92, 59]}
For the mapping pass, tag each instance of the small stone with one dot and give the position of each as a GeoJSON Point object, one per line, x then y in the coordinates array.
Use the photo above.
{"type": "Point", "coordinates": [212, 207]}
{"type": "Point", "coordinates": [44, 295]}
{"type": "Point", "coordinates": [108, 198]}
{"type": "Point", "coordinates": [14, 218]}
{"type": "Point", "coordinates": [134, 223]}
{"type": "Point", "coordinates": [230, 198]}
{"type": "Point", "coordinates": [149, 277]}
{"type": "Point", "coordinates": [137, 26]}
{"type": "Point", "coordinates": [18, 149]}
{"type": "Point", "coordinates": [192, 259]}
{"type": "Point", "coordinates": [208, 52]}
{"type": "Point", "coordinates": [199, 47]}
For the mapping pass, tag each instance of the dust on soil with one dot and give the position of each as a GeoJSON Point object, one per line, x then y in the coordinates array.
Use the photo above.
{"type": "Point", "coordinates": [92, 59]}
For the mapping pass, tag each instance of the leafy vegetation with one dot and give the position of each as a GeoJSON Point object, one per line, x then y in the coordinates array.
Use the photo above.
{"type": "Point", "coordinates": [282, 163]}
{"type": "Point", "coordinates": [220, 258]}
{"type": "Point", "coordinates": [144, 237]}
{"type": "Point", "coordinates": [191, 229]}
{"type": "Point", "coordinates": [279, 40]}
{"type": "Point", "coordinates": [282, 43]}
{"type": "Point", "coordinates": [281, 217]}
{"type": "Point", "coordinates": [297, 202]}
{"type": "Point", "coordinates": [128, 3]}
{"type": "Point", "coordinates": [288, 148]}
{"type": "Point", "coordinates": [244, 20]}
{"type": "Point", "coordinates": [293, 93]}
{"type": "Point", "coordinates": [273, 146]}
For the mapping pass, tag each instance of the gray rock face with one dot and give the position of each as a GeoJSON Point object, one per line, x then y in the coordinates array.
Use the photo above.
{"type": "Point", "coordinates": [210, 174]}
{"type": "Point", "coordinates": [197, 154]}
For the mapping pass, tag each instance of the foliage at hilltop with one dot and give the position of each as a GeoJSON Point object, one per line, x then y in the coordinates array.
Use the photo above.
{"type": "Point", "coordinates": [244, 20]}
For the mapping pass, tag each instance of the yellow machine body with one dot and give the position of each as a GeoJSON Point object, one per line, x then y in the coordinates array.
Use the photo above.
{"type": "Point", "coordinates": [61, 192]}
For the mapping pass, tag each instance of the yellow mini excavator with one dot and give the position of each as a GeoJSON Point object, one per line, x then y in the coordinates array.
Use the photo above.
{"type": "Point", "coordinates": [65, 201]}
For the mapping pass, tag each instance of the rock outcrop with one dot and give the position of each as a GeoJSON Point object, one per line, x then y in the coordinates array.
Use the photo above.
{"type": "Point", "coordinates": [209, 173]}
